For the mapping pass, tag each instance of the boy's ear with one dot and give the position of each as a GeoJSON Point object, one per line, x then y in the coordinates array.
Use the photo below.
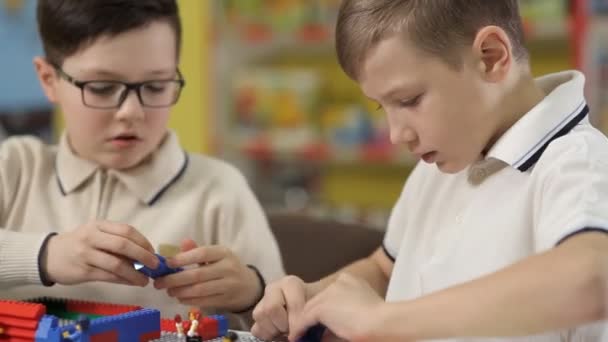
{"type": "Point", "coordinates": [47, 77]}
{"type": "Point", "coordinates": [493, 51]}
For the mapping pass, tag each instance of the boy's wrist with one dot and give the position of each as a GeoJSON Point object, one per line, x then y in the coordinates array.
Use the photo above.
{"type": "Point", "coordinates": [259, 289]}
{"type": "Point", "coordinates": [45, 277]}
{"type": "Point", "coordinates": [388, 321]}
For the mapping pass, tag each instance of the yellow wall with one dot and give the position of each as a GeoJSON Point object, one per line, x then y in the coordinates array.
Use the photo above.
{"type": "Point", "coordinates": [190, 117]}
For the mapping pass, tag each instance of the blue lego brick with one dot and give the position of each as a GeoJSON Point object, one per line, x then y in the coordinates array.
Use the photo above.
{"type": "Point", "coordinates": [160, 271]}
{"type": "Point", "coordinates": [222, 324]}
{"type": "Point", "coordinates": [130, 326]}
{"type": "Point", "coordinates": [48, 329]}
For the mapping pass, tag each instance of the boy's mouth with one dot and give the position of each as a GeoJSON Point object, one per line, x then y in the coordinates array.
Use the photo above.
{"type": "Point", "coordinates": [429, 157]}
{"type": "Point", "coordinates": [124, 140]}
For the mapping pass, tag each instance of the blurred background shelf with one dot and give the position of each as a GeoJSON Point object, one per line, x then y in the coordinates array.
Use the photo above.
{"type": "Point", "coordinates": [306, 137]}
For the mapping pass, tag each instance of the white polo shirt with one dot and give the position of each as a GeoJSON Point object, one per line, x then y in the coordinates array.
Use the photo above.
{"type": "Point", "coordinates": [545, 180]}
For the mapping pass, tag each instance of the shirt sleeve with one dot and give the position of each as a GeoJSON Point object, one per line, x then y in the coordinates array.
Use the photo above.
{"type": "Point", "coordinates": [244, 228]}
{"type": "Point", "coordinates": [19, 251]}
{"type": "Point", "coordinates": [571, 194]}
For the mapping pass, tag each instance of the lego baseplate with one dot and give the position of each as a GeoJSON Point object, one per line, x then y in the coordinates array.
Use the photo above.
{"type": "Point", "coordinates": [243, 337]}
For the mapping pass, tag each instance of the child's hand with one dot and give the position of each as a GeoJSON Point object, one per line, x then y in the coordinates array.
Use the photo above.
{"type": "Point", "coordinates": [98, 251]}
{"type": "Point", "coordinates": [219, 279]}
{"type": "Point", "coordinates": [277, 312]}
{"type": "Point", "coordinates": [347, 308]}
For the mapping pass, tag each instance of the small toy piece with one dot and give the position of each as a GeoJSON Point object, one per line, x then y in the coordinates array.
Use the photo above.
{"type": "Point", "coordinates": [161, 270]}
{"type": "Point", "coordinates": [82, 325]}
{"type": "Point", "coordinates": [231, 336]}
{"type": "Point", "coordinates": [194, 316]}
{"type": "Point", "coordinates": [179, 327]}
{"type": "Point", "coordinates": [313, 334]}
{"type": "Point", "coordinates": [168, 250]}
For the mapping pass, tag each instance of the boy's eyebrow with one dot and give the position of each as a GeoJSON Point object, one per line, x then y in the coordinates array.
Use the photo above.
{"type": "Point", "coordinates": [115, 75]}
{"type": "Point", "coordinates": [396, 89]}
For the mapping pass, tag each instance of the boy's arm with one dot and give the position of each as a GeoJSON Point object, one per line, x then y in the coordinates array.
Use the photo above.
{"type": "Point", "coordinates": [375, 270]}
{"type": "Point", "coordinates": [558, 289]}
{"type": "Point", "coordinates": [19, 251]}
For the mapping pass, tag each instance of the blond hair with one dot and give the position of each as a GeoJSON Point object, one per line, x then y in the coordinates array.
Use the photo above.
{"type": "Point", "coordinates": [438, 27]}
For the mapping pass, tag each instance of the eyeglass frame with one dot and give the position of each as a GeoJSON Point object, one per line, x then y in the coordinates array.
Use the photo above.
{"type": "Point", "coordinates": [129, 86]}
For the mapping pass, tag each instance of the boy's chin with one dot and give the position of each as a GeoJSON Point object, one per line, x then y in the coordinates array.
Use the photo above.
{"type": "Point", "coordinates": [122, 162]}
{"type": "Point", "coordinates": [450, 167]}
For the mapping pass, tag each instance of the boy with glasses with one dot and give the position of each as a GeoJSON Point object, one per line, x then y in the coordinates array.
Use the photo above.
{"type": "Point", "coordinates": [75, 217]}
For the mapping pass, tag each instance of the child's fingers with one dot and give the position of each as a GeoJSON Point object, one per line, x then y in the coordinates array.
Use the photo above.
{"type": "Point", "coordinates": [200, 255]}
{"type": "Point", "coordinates": [206, 289]}
{"type": "Point", "coordinates": [188, 244]}
{"type": "Point", "coordinates": [186, 277]}
{"type": "Point", "coordinates": [117, 266]}
{"type": "Point", "coordinates": [121, 246]}
{"type": "Point", "coordinates": [126, 231]}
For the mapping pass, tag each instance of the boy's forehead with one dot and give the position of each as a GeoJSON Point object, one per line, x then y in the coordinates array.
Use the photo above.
{"type": "Point", "coordinates": [150, 50]}
{"type": "Point", "coordinates": [390, 64]}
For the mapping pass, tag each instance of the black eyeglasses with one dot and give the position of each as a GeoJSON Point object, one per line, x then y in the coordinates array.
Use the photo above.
{"type": "Point", "coordinates": [111, 94]}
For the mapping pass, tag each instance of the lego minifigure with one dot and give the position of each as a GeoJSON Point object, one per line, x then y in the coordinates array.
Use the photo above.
{"type": "Point", "coordinates": [82, 325]}
{"type": "Point", "coordinates": [194, 317]}
{"type": "Point", "coordinates": [179, 326]}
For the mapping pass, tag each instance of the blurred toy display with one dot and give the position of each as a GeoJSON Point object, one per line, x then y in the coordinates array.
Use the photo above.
{"type": "Point", "coordinates": [309, 138]}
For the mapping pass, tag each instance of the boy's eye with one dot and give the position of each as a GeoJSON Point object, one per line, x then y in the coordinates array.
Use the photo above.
{"type": "Point", "coordinates": [410, 102]}
{"type": "Point", "coordinates": [103, 88]}
{"type": "Point", "coordinates": [156, 87]}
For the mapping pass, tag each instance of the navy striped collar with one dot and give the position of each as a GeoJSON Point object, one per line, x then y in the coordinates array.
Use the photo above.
{"type": "Point", "coordinates": [147, 181]}
{"type": "Point", "coordinates": [555, 116]}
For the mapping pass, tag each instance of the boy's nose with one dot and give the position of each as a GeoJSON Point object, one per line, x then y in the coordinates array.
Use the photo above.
{"type": "Point", "coordinates": [403, 135]}
{"type": "Point", "coordinates": [131, 108]}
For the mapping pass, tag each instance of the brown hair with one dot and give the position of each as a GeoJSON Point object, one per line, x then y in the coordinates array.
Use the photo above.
{"type": "Point", "coordinates": [66, 26]}
{"type": "Point", "coordinates": [438, 27]}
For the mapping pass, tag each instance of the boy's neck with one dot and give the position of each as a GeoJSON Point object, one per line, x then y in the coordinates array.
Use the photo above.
{"type": "Point", "coordinates": [524, 95]}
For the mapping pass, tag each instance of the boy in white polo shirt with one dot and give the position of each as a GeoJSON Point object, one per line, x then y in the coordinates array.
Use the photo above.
{"type": "Point", "coordinates": [118, 185]}
{"type": "Point", "coordinates": [500, 231]}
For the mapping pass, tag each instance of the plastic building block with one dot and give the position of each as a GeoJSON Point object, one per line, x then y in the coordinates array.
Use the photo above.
{"type": "Point", "coordinates": [21, 309]}
{"type": "Point", "coordinates": [222, 324]}
{"type": "Point", "coordinates": [130, 326]}
{"type": "Point", "coordinates": [48, 329]}
{"type": "Point", "coordinates": [168, 325]}
{"type": "Point", "coordinates": [208, 328]}
{"type": "Point", "coordinates": [19, 320]}
{"type": "Point", "coordinates": [231, 336]}
{"type": "Point", "coordinates": [101, 309]}
{"type": "Point", "coordinates": [66, 309]}
{"type": "Point", "coordinates": [161, 270]}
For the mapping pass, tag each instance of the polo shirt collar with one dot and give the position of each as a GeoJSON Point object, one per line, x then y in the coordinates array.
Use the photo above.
{"type": "Point", "coordinates": [556, 115]}
{"type": "Point", "coordinates": [148, 181]}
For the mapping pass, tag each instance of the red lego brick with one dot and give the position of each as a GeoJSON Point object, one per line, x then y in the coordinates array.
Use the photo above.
{"type": "Point", "coordinates": [102, 309]}
{"type": "Point", "coordinates": [154, 335]}
{"type": "Point", "coordinates": [16, 339]}
{"type": "Point", "coordinates": [208, 328]}
{"type": "Point", "coordinates": [18, 323]}
{"type": "Point", "coordinates": [20, 333]}
{"type": "Point", "coordinates": [21, 309]}
{"type": "Point", "coordinates": [167, 325]}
